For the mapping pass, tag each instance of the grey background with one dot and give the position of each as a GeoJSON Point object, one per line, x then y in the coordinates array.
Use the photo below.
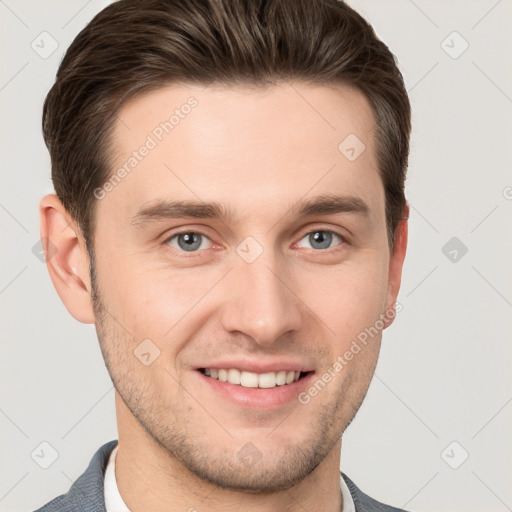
{"type": "Point", "coordinates": [444, 371]}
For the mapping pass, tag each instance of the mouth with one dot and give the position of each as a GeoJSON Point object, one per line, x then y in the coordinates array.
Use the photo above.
{"type": "Point", "coordinates": [247, 379]}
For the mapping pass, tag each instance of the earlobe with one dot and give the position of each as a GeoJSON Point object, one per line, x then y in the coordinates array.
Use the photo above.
{"type": "Point", "coordinates": [396, 264]}
{"type": "Point", "coordinates": [66, 258]}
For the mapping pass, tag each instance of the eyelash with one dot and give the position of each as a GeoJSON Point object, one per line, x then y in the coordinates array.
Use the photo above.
{"type": "Point", "coordinates": [192, 254]}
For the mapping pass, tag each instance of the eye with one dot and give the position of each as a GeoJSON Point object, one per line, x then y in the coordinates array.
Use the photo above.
{"type": "Point", "coordinates": [188, 241]}
{"type": "Point", "coordinates": [321, 239]}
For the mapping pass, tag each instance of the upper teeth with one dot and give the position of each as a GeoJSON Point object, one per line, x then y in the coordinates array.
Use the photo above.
{"type": "Point", "coordinates": [251, 379]}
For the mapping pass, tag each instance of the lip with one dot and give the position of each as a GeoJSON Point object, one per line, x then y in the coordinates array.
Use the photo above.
{"type": "Point", "coordinates": [247, 365]}
{"type": "Point", "coordinates": [256, 398]}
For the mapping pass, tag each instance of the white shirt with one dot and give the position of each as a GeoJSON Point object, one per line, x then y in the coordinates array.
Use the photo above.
{"type": "Point", "coordinates": [114, 502]}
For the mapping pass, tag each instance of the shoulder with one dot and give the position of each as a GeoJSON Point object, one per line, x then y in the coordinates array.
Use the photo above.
{"type": "Point", "coordinates": [87, 492]}
{"type": "Point", "coordinates": [364, 503]}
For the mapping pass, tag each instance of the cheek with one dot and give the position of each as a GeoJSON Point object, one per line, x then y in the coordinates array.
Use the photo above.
{"type": "Point", "coordinates": [150, 302]}
{"type": "Point", "coordinates": [156, 303]}
{"type": "Point", "coordinates": [351, 298]}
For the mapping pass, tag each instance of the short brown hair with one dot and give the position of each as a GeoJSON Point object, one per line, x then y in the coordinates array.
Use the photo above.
{"type": "Point", "coordinates": [135, 46]}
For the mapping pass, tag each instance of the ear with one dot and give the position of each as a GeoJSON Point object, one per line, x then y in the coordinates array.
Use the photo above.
{"type": "Point", "coordinates": [395, 265]}
{"type": "Point", "coordinates": [66, 258]}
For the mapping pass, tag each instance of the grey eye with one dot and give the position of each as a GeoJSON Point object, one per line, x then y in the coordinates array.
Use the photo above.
{"type": "Point", "coordinates": [189, 241]}
{"type": "Point", "coordinates": [321, 239]}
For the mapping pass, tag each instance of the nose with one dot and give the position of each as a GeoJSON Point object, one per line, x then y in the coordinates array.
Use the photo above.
{"type": "Point", "coordinates": [261, 304]}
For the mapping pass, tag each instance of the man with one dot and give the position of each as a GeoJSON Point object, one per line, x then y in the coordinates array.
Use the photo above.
{"type": "Point", "coordinates": [230, 214]}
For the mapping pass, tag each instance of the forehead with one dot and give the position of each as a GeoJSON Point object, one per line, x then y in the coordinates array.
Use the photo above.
{"type": "Point", "coordinates": [248, 147]}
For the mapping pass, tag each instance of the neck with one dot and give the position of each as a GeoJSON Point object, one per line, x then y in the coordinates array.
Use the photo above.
{"type": "Point", "coordinates": [149, 478]}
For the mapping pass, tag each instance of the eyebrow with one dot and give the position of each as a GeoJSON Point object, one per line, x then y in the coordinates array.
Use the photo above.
{"type": "Point", "coordinates": [320, 205]}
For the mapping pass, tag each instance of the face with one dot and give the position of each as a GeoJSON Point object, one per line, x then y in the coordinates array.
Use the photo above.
{"type": "Point", "coordinates": [243, 243]}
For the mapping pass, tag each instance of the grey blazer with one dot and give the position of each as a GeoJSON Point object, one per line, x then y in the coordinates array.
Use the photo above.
{"type": "Point", "coordinates": [86, 494]}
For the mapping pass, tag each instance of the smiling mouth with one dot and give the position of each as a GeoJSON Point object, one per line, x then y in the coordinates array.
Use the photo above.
{"type": "Point", "coordinates": [254, 380]}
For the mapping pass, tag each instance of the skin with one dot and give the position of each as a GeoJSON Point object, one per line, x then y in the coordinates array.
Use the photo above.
{"type": "Point", "coordinates": [258, 151]}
